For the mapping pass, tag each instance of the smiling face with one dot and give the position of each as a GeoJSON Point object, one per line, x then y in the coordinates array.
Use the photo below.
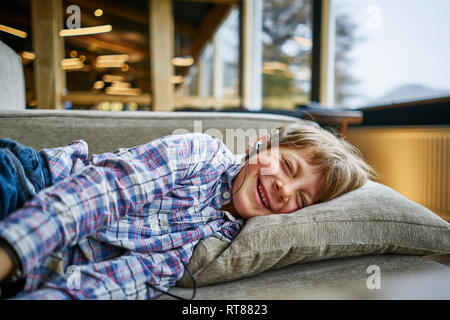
{"type": "Point", "coordinates": [280, 180]}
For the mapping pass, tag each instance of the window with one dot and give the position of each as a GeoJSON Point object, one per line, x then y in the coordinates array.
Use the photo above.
{"type": "Point", "coordinates": [207, 39]}
{"type": "Point", "coordinates": [390, 51]}
{"type": "Point", "coordinates": [287, 53]}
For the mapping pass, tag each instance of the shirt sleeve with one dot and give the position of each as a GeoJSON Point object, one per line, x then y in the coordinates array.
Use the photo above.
{"type": "Point", "coordinates": [125, 277]}
{"type": "Point", "coordinates": [103, 192]}
{"type": "Point", "coordinates": [67, 160]}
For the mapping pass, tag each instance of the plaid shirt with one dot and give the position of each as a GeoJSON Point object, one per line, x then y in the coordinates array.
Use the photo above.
{"type": "Point", "coordinates": [123, 218]}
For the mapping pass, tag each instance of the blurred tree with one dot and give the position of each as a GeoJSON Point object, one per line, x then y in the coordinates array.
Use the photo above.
{"type": "Point", "coordinates": [283, 21]}
{"type": "Point", "coordinates": [344, 82]}
{"type": "Point", "coordinates": [277, 84]}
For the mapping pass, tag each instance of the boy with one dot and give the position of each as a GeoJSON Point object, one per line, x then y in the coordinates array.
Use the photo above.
{"type": "Point", "coordinates": [127, 222]}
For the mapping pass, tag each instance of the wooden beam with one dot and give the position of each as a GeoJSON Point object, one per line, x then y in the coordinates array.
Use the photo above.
{"type": "Point", "coordinates": [91, 42]}
{"type": "Point", "coordinates": [161, 54]}
{"type": "Point", "coordinates": [119, 33]}
{"type": "Point", "coordinates": [11, 18]}
{"type": "Point", "coordinates": [46, 16]}
{"type": "Point", "coordinates": [185, 28]}
{"type": "Point", "coordinates": [126, 12]}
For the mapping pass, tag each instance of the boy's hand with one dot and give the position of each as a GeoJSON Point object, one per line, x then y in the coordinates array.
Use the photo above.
{"type": "Point", "coordinates": [6, 264]}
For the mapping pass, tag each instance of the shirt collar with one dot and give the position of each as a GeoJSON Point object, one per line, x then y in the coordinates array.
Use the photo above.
{"type": "Point", "coordinates": [235, 168]}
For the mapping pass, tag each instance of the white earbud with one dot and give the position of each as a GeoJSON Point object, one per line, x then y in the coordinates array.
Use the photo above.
{"type": "Point", "coordinates": [256, 150]}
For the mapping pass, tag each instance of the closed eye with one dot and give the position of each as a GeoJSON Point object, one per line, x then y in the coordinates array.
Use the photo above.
{"type": "Point", "coordinates": [288, 166]}
{"type": "Point", "coordinates": [303, 200]}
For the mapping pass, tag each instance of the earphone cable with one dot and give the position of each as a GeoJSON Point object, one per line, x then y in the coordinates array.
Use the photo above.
{"type": "Point", "coordinates": [247, 158]}
{"type": "Point", "coordinates": [194, 286]}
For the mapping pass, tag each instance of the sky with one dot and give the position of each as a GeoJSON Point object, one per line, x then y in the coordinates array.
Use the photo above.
{"type": "Point", "coordinates": [407, 42]}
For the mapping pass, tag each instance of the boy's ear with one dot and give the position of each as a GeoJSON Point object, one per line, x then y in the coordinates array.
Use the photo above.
{"type": "Point", "coordinates": [263, 139]}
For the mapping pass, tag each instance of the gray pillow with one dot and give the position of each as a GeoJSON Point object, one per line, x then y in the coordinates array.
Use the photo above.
{"type": "Point", "coordinates": [373, 219]}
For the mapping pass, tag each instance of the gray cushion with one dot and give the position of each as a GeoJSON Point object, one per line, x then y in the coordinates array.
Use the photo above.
{"type": "Point", "coordinates": [373, 219]}
{"type": "Point", "coordinates": [12, 82]}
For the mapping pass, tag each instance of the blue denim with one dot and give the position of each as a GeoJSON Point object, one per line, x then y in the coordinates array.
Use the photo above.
{"type": "Point", "coordinates": [23, 173]}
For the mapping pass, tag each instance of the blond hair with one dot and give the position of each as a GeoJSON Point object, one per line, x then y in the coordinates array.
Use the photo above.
{"type": "Point", "coordinates": [341, 163]}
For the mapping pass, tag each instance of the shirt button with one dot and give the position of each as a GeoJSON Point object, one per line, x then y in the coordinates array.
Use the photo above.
{"type": "Point", "coordinates": [226, 195]}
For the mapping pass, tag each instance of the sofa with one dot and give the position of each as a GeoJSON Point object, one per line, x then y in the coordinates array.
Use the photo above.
{"type": "Point", "coordinates": [12, 79]}
{"type": "Point", "coordinates": [370, 244]}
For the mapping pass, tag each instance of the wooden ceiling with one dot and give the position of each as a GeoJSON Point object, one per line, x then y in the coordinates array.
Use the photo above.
{"type": "Point", "coordinates": [196, 21]}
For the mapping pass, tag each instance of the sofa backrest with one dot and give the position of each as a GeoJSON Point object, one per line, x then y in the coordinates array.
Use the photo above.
{"type": "Point", "coordinates": [106, 131]}
{"type": "Point", "coordinates": [12, 82]}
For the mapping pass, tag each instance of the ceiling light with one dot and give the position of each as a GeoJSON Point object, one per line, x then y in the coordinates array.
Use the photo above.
{"type": "Point", "coordinates": [28, 55]}
{"type": "Point", "coordinates": [112, 78]}
{"type": "Point", "coordinates": [123, 91]}
{"type": "Point", "coordinates": [112, 61]}
{"type": "Point", "coordinates": [113, 58]}
{"type": "Point", "coordinates": [85, 31]}
{"type": "Point", "coordinates": [110, 64]}
{"type": "Point", "coordinates": [98, 85]}
{"type": "Point", "coordinates": [98, 12]}
{"type": "Point", "coordinates": [120, 84]}
{"type": "Point", "coordinates": [183, 61]}
{"type": "Point", "coordinates": [74, 67]}
{"type": "Point", "coordinates": [72, 63]}
{"type": "Point", "coordinates": [177, 79]}
{"type": "Point", "coordinates": [13, 31]}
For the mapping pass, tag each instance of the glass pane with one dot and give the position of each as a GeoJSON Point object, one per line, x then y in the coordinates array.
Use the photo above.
{"type": "Point", "coordinates": [227, 45]}
{"type": "Point", "coordinates": [287, 53]}
{"type": "Point", "coordinates": [211, 79]}
{"type": "Point", "coordinates": [391, 51]}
